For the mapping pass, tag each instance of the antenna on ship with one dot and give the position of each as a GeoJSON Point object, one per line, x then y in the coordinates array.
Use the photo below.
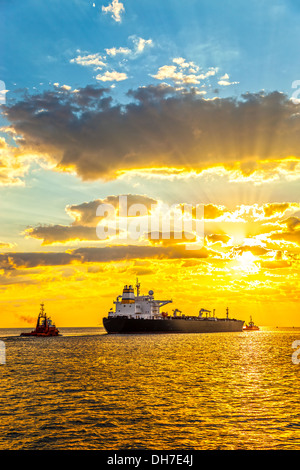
{"type": "Point", "coordinates": [138, 285]}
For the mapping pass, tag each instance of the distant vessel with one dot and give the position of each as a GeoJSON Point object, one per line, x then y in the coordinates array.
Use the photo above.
{"type": "Point", "coordinates": [141, 314]}
{"type": "Point", "coordinates": [44, 326]}
{"type": "Point", "coordinates": [250, 326]}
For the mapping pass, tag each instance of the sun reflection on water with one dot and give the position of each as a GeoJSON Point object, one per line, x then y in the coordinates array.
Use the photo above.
{"type": "Point", "coordinates": [214, 391]}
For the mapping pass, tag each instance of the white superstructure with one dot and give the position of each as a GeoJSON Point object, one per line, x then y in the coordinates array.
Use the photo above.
{"type": "Point", "coordinates": [137, 306]}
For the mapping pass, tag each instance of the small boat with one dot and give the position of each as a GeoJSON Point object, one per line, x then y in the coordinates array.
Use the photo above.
{"type": "Point", "coordinates": [44, 326]}
{"type": "Point", "coordinates": [250, 326]}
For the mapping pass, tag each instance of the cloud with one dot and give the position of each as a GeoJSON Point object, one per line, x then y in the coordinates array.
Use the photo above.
{"type": "Point", "coordinates": [112, 76]}
{"type": "Point", "coordinates": [184, 64]}
{"type": "Point", "coordinates": [14, 164]}
{"type": "Point", "coordinates": [256, 250]}
{"type": "Point", "coordinates": [235, 239]}
{"type": "Point", "coordinates": [224, 81]}
{"type": "Point", "coordinates": [154, 216]}
{"type": "Point", "coordinates": [170, 238]}
{"type": "Point", "coordinates": [85, 213]}
{"type": "Point", "coordinates": [212, 211]}
{"type": "Point", "coordinates": [87, 133]}
{"type": "Point", "coordinates": [183, 72]}
{"type": "Point", "coordinates": [85, 220]}
{"type": "Point", "coordinates": [12, 261]}
{"type": "Point", "coordinates": [292, 223]}
{"type": "Point", "coordinates": [99, 61]}
{"type": "Point", "coordinates": [278, 209]}
{"type": "Point", "coordinates": [116, 8]}
{"type": "Point", "coordinates": [292, 235]}
{"type": "Point", "coordinates": [275, 264]}
{"type": "Point", "coordinates": [243, 229]}
{"type": "Point", "coordinates": [141, 44]}
{"type": "Point", "coordinates": [218, 237]}
{"type": "Point", "coordinates": [89, 60]}
{"type": "Point", "coordinates": [113, 51]}
{"type": "Point", "coordinates": [51, 234]}
{"type": "Point", "coordinates": [5, 245]}
{"type": "Point", "coordinates": [3, 92]}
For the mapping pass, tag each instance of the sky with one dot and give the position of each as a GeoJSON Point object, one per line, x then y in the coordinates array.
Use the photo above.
{"type": "Point", "coordinates": [169, 105]}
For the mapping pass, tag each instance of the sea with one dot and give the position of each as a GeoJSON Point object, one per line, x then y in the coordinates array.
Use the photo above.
{"type": "Point", "coordinates": [87, 390]}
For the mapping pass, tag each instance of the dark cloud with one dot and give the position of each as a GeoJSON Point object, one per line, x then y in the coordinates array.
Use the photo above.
{"type": "Point", "coordinates": [292, 232]}
{"type": "Point", "coordinates": [86, 131]}
{"type": "Point", "coordinates": [255, 250]}
{"type": "Point", "coordinates": [62, 233]}
{"type": "Point", "coordinates": [289, 236]}
{"type": "Point", "coordinates": [212, 211]}
{"type": "Point", "coordinates": [276, 208]}
{"type": "Point", "coordinates": [276, 264]}
{"type": "Point", "coordinates": [11, 261]}
{"type": "Point", "coordinates": [116, 253]}
{"type": "Point", "coordinates": [292, 223]}
{"type": "Point", "coordinates": [217, 237]}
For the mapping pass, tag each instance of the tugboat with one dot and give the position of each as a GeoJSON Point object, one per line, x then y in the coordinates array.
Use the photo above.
{"type": "Point", "coordinates": [44, 326]}
{"type": "Point", "coordinates": [141, 314]}
{"type": "Point", "coordinates": [250, 326]}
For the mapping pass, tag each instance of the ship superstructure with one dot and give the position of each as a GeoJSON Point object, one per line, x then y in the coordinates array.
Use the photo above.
{"type": "Point", "coordinates": [142, 314]}
{"type": "Point", "coordinates": [130, 305]}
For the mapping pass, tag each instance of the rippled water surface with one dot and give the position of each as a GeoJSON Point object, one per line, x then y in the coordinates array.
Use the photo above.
{"type": "Point", "coordinates": [89, 390]}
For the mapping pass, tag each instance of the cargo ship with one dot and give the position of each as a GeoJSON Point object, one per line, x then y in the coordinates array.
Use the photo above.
{"type": "Point", "coordinates": [251, 326]}
{"type": "Point", "coordinates": [44, 326]}
{"type": "Point", "coordinates": [141, 314]}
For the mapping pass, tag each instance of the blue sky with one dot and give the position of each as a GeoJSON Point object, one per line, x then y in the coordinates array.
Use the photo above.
{"type": "Point", "coordinates": [254, 43]}
{"type": "Point", "coordinates": [220, 48]}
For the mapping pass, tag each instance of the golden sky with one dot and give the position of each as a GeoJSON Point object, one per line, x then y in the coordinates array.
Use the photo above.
{"type": "Point", "coordinates": [249, 262]}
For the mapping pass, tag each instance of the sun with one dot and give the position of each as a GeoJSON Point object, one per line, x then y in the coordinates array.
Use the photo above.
{"type": "Point", "coordinates": [247, 262]}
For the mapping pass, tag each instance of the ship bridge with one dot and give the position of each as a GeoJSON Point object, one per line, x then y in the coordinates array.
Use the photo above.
{"type": "Point", "coordinates": [137, 306]}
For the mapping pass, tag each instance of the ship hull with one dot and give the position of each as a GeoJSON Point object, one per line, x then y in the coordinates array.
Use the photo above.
{"type": "Point", "coordinates": [39, 334]}
{"type": "Point", "coordinates": [171, 325]}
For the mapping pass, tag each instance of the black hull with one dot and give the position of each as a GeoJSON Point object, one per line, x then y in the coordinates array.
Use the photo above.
{"type": "Point", "coordinates": [171, 325]}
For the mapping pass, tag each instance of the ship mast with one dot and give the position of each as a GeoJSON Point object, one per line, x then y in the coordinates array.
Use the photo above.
{"type": "Point", "coordinates": [43, 315]}
{"type": "Point", "coordinates": [40, 315]}
{"type": "Point", "coordinates": [138, 285]}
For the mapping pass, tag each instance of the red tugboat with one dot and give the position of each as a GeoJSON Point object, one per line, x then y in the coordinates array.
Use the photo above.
{"type": "Point", "coordinates": [44, 326]}
{"type": "Point", "coordinates": [250, 326]}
